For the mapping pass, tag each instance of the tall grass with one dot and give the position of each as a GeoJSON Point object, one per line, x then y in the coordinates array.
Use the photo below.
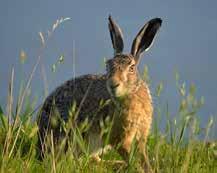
{"type": "Point", "coordinates": [176, 149]}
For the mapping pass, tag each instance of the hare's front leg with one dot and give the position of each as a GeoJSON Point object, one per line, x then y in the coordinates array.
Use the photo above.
{"type": "Point", "coordinates": [126, 146]}
{"type": "Point", "coordinates": [126, 143]}
{"type": "Point", "coordinates": [144, 157]}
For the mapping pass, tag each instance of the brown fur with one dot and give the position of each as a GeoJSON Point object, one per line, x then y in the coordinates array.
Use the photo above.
{"type": "Point", "coordinates": [130, 105]}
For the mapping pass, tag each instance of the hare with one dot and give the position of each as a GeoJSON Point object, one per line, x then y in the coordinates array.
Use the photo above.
{"type": "Point", "coordinates": [130, 106]}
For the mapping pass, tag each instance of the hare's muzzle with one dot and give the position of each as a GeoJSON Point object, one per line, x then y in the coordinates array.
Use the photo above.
{"type": "Point", "coordinates": [112, 85]}
{"type": "Point", "coordinates": [114, 88]}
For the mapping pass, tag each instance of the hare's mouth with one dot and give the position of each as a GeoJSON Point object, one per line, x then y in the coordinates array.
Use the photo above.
{"type": "Point", "coordinates": [114, 86]}
{"type": "Point", "coordinates": [115, 89]}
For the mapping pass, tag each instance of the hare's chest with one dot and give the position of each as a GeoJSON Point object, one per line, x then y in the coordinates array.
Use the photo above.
{"type": "Point", "coordinates": [134, 120]}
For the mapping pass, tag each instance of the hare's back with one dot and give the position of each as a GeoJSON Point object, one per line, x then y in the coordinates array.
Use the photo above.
{"type": "Point", "coordinates": [86, 92]}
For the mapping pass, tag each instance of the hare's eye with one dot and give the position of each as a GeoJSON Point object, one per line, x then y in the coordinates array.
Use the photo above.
{"type": "Point", "coordinates": [132, 68]}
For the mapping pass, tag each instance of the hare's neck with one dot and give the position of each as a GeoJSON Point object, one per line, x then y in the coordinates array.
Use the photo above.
{"type": "Point", "coordinates": [136, 108]}
{"type": "Point", "coordinates": [140, 97]}
{"type": "Point", "coordinates": [138, 85]}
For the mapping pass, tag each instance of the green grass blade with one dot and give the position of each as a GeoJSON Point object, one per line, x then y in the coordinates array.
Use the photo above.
{"type": "Point", "coordinates": [2, 118]}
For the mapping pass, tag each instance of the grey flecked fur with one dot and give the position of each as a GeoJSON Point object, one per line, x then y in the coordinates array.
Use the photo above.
{"type": "Point", "coordinates": [63, 97]}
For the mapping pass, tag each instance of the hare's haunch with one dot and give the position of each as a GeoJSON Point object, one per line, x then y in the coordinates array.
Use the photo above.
{"type": "Point", "coordinates": [130, 105]}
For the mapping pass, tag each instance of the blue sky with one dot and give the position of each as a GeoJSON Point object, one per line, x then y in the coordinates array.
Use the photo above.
{"type": "Point", "coordinates": [187, 42]}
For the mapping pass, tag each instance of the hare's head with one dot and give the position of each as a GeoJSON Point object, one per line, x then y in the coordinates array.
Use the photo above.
{"type": "Point", "coordinates": [122, 69]}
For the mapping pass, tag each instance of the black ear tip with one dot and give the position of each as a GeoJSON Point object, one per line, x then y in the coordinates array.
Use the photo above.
{"type": "Point", "coordinates": [110, 17]}
{"type": "Point", "coordinates": [157, 20]}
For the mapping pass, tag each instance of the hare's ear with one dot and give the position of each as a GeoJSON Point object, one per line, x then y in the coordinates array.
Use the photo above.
{"type": "Point", "coordinates": [116, 36]}
{"type": "Point", "coordinates": [145, 37]}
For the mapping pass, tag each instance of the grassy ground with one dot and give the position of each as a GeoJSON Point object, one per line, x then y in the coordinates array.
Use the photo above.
{"type": "Point", "coordinates": [176, 149]}
{"type": "Point", "coordinates": [18, 154]}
